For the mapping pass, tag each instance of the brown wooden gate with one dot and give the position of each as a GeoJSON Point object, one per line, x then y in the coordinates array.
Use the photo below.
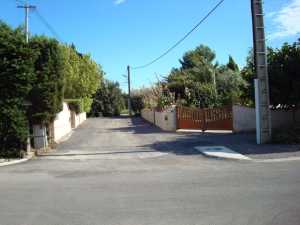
{"type": "Point", "coordinates": [204, 119]}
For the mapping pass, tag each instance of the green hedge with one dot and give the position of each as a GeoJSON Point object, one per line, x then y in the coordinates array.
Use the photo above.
{"type": "Point", "coordinates": [16, 79]}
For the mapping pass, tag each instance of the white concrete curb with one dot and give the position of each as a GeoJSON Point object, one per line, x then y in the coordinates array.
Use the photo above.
{"type": "Point", "coordinates": [18, 161]}
{"type": "Point", "coordinates": [221, 152]}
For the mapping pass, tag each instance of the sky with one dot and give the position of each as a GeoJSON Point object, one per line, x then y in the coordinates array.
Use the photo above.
{"type": "Point", "coordinates": [118, 33]}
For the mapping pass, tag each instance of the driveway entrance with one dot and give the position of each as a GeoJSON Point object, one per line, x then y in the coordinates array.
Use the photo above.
{"type": "Point", "coordinates": [204, 119]}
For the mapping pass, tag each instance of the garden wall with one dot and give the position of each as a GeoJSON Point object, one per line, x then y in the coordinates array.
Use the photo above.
{"type": "Point", "coordinates": [65, 121]}
{"type": "Point", "coordinates": [244, 118]}
{"type": "Point", "coordinates": [166, 120]}
{"type": "Point", "coordinates": [148, 114]}
{"type": "Point", "coordinates": [62, 123]}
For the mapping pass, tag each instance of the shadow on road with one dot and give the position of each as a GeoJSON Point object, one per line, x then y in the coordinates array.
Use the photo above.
{"type": "Point", "coordinates": [183, 144]}
{"type": "Point", "coordinates": [138, 125]}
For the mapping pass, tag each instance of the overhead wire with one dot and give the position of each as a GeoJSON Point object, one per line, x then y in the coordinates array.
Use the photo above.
{"type": "Point", "coordinates": [42, 19]}
{"type": "Point", "coordinates": [45, 22]}
{"type": "Point", "coordinates": [182, 39]}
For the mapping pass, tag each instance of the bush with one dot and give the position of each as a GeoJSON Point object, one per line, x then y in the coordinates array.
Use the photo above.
{"type": "Point", "coordinates": [46, 95]}
{"type": "Point", "coordinates": [137, 104]}
{"type": "Point", "coordinates": [108, 100]}
{"type": "Point", "coordinates": [13, 130]}
{"type": "Point", "coordinates": [16, 79]}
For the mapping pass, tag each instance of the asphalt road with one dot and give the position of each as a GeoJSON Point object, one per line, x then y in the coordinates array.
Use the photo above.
{"type": "Point", "coordinates": [139, 175]}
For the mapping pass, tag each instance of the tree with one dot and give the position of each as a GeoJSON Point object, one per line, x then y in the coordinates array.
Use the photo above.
{"type": "Point", "coordinates": [16, 80]}
{"type": "Point", "coordinates": [284, 78]}
{"type": "Point", "coordinates": [108, 100]}
{"type": "Point", "coordinates": [202, 82]}
{"type": "Point", "coordinates": [232, 64]}
{"type": "Point", "coordinates": [82, 76]}
{"type": "Point", "coordinates": [46, 95]}
{"type": "Point", "coordinates": [230, 85]}
{"type": "Point", "coordinates": [284, 74]}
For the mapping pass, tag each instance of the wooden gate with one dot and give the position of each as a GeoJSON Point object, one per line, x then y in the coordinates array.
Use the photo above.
{"type": "Point", "coordinates": [204, 119]}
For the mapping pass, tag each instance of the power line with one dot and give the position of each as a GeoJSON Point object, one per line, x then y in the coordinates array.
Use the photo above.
{"type": "Point", "coordinates": [27, 9]}
{"type": "Point", "coordinates": [45, 22]}
{"type": "Point", "coordinates": [182, 39]}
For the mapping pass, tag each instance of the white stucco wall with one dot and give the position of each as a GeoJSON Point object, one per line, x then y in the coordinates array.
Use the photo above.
{"type": "Point", "coordinates": [244, 118]}
{"type": "Point", "coordinates": [166, 120]}
{"type": "Point", "coordinates": [62, 123]}
{"type": "Point", "coordinates": [80, 118]}
{"type": "Point", "coordinates": [148, 114]}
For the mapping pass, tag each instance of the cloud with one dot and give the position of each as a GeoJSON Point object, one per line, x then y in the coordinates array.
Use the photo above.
{"type": "Point", "coordinates": [286, 20]}
{"type": "Point", "coordinates": [119, 2]}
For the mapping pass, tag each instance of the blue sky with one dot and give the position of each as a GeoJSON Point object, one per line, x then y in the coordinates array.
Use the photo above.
{"type": "Point", "coordinates": [121, 32]}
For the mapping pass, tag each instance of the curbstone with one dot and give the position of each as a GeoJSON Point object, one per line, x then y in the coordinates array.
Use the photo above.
{"type": "Point", "coordinates": [14, 162]}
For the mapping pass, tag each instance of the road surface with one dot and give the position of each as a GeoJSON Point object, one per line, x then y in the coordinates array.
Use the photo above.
{"type": "Point", "coordinates": [123, 172]}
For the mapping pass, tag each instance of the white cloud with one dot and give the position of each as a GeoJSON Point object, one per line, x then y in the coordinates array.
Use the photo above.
{"type": "Point", "coordinates": [119, 2]}
{"type": "Point", "coordinates": [286, 20]}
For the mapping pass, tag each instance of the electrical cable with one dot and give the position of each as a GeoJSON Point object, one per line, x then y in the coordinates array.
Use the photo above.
{"type": "Point", "coordinates": [182, 39]}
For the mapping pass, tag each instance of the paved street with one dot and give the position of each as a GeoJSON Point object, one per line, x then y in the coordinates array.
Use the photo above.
{"type": "Point", "coordinates": [123, 172]}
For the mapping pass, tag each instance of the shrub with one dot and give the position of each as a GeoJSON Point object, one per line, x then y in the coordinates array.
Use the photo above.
{"type": "Point", "coordinates": [47, 94]}
{"type": "Point", "coordinates": [13, 130]}
{"type": "Point", "coordinates": [137, 104]}
{"type": "Point", "coordinates": [16, 79]}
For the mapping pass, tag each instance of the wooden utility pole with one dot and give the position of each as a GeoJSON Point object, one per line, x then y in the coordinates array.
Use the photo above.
{"type": "Point", "coordinates": [263, 115]}
{"type": "Point", "coordinates": [27, 10]}
{"type": "Point", "coordinates": [129, 91]}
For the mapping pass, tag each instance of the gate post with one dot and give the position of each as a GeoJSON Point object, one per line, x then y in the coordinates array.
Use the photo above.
{"type": "Point", "coordinates": [204, 121]}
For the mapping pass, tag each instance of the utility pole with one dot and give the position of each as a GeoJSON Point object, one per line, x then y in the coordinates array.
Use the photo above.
{"type": "Point", "coordinates": [129, 91]}
{"type": "Point", "coordinates": [27, 10]}
{"type": "Point", "coordinates": [262, 100]}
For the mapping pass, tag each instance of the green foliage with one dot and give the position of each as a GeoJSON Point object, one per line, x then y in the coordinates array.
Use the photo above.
{"type": "Point", "coordinates": [284, 67]}
{"type": "Point", "coordinates": [137, 104]}
{"type": "Point", "coordinates": [108, 100]}
{"type": "Point", "coordinates": [232, 64]}
{"type": "Point", "coordinates": [13, 130]}
{"type": "Point", "coordinates": [229, 86]}
{"type": "Point", "coordinates": [200, 82]}
{"type": "Point", "coordinates": [47, 94]}
{"type": "Point", "coordinates": [284, 78]}
{"type": "Point", "coordinates": [40, 73]}
{"type": "Point", "coordinates": [82, 76]}
{"type": "Point", "coordinates": [75, 105]}
{"type": "Point", "coordinates": [16, 63]}
{"type": "Point", "coordinates": [16, 79]}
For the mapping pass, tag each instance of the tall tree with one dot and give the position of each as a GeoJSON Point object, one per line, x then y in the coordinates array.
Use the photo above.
{"type": "Point", "coordinates": [108, 100]}
{"type": "Point", "coordinates": [16, 80]}
{"type": "Point", "coordinates": [232, 64]}
{"type": "Point", "coordinates": [284, 77]}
